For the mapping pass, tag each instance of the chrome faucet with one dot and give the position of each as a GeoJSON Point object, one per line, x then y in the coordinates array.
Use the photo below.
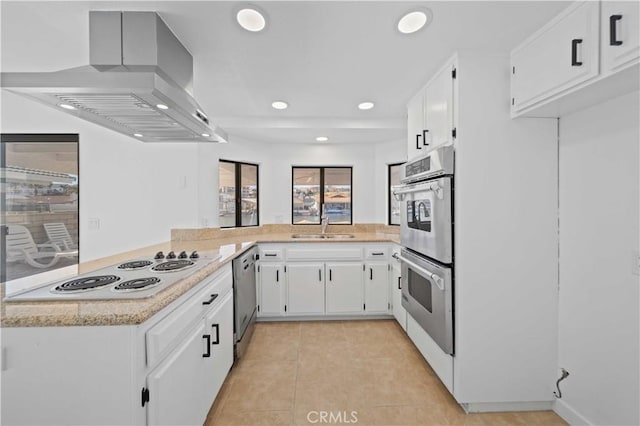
{"type": "Point", "coordinates": [324, 220]}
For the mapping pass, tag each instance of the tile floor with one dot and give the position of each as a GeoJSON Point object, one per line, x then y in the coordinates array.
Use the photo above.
{"type": "Point", "coordinates": [294, 370]}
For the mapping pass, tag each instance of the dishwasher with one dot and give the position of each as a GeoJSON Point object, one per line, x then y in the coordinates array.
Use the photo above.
{"type": "Point", "coordinates": [244, 300]}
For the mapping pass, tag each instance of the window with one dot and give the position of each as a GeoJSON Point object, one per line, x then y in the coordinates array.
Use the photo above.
{"type": "Point", "coordinates": [317, 186]}
{"type": "Point", "coordinates": [40, 207]}
{"type": "Point", "coordinates": [237, 194]}
{"type": "Point", "coordinates": [394, 205]}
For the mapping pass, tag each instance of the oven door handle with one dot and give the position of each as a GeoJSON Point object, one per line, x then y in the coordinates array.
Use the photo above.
{"type": "Point", "coordinates": [434, 187]}
{"type": "Point", "coordinates": [439, 282]}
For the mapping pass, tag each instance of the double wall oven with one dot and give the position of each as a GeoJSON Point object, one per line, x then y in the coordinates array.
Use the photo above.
{"type": "Point", "coordinates": [426, 234]}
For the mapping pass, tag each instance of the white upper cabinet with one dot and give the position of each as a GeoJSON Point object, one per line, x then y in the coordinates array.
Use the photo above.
{"type": "Point", "coordinates": [563, 54]}
{"type": "Point", "coordinates": [587, 54]}
{"type": "Point", "coordinates": [620, 35]}
{"type": "Point", "coordinates": [438, 108]}
{"type": "Point", "coordinates": [415, 126]}
{"type": "Point", "coordinates": [430, 118]}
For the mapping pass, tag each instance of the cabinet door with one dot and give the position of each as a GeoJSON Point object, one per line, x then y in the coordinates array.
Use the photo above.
{"type": "Point", "coordinates": [305, 288]}
{"type": "Point", "coordinates": [176, 386]}
{"type": "Point", "coordinates": [620, 35]}
{"type": "Point", "coordinates": [559, 57]}
{"type": "Point", "coordinates": [438, 106]}
{"type": "Point", "coordinates": [415, 126]}
{"type": "Point", "coordinates": [376, 287]}
{"type": "Point", "coordinates": [399, 312]}
{"type": "Point", "coordinates": [272, 286]}
{"type": "Point", "coordinates": [344, 288]}
{"type": "Point", "coordinates": [219, 326]}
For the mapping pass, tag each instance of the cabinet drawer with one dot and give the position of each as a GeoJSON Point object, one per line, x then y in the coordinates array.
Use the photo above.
{"type": "Point", "coordinates": [322, 254]}
{"type": "Point", "coordinates": [162, 337]}
{"type": "Point", "coordinates": [373, 253]}
{"type": "Point", "coordinates": [271, 254]}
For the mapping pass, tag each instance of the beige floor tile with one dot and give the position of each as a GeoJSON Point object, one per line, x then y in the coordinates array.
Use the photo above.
{"type": "Point", "coordinates": [369, 371]}
{"type": "Point", "coordinates": [327, 413]}
{"type": "Point", "coordinates": [251, 418]}
{"type": "Point", "coordinates": [249, 395]}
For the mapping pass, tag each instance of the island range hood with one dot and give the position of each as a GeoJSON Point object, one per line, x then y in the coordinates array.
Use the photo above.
{"type": "Point", "coordinates": [139, 82]}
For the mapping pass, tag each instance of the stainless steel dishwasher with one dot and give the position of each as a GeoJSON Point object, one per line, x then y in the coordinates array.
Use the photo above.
{"type": "Point", "coordinates": [244, 299]}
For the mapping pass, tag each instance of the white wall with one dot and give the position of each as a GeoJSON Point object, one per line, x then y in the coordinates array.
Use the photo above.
{"type": "Point", "coordinates": [137, 190]}
{"type": "Point", "coordinates": [599, 293]}
{"type": "Point", "coordinates": [275, 161]}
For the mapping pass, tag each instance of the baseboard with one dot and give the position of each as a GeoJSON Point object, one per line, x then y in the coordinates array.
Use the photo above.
{"type": "Point", "coordinates": [325, 318]}
{"type": "Point", "coordinates": [491, 407]}
{"type": "Point", "coordinates": [568, 414]}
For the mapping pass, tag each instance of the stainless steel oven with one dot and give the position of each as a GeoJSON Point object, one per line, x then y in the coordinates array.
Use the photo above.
{"type": "Point", "coordinates": [427, 294]}
{"type": "Point", "coordinates": [426, 205]}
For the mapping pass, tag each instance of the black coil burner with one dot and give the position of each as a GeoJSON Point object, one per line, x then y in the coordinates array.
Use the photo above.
{"type": "Point", "coordinates": [173, 265]}
{"type": "Point", "coordinates": [137, 284]}
{"type": "Point", "coordinates": [136, 264]}
{"type": "Point", "coordinates": [86, 283]}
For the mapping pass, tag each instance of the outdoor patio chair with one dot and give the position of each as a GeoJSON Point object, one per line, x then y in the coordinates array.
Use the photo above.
{"type": "Point", "coordinates": [21, 247]}
{"type": "Point", "coordinates": [59, 235]}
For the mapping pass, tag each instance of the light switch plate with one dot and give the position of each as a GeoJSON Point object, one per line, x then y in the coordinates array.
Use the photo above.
{"type": "Point", "coordinates": [94, 224]}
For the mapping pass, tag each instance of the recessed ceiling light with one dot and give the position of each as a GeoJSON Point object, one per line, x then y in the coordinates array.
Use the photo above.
{"type": "Point", "coordinates": [138, 135]}
{"type": "Point", "coordinates": [205, 135]}
{"type": "Point", "coordinates": [366, 105]}
{"type": "Point", "coordinates": [162, 106]}
{"type": "Point", "coordinates": [414, 21]}
{"type": "Point", "coordinates": [322, 138]}
{"type": "Point", "coordinates": [67, 106]}
{"type": "Point", "coordinates": [279, 105]}
{"type": "Point", "coordinates": [251, 19]}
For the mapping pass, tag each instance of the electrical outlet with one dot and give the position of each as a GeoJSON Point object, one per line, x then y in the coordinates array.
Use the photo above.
{"type": "Point", "coordinates": [279, 218]}
{"type": "Point", "coordinates": [204, 222]}
{"type": "Point", "coordinates": [94, 224]}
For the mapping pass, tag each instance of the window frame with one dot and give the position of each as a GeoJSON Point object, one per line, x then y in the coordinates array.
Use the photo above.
{"type": "Point", "coordinates": [322, 185]}
{"type": "Point", "coordinates": [32, 138]}
{"type": "Point", "coordinates": [389, 195]}
{"type": "Point", "coordinates": [238, 195]}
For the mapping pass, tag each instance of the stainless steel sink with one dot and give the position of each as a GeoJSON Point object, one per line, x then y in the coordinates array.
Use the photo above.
{"type": "Point", "coordinates": [323, 236]}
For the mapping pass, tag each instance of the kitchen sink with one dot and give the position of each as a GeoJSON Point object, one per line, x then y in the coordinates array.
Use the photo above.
{"type": "Point", "coordinates": [324, 236]}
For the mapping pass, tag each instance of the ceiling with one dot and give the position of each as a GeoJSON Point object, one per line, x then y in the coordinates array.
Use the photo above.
{"type": "Point", "coordinates": [322, 57]}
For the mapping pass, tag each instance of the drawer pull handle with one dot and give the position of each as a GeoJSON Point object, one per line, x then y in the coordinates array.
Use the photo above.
{"type": "Point", "coordinates": [210, 301]}
{"type": "Point", "coordinates": [377, 253]}
{"type": "Point", "coordinates": [319, 274]}
{"type": "Point", "coordinates": [329, 274]}
{"type": "Point", "coordinates": [371, 274]}
{"type": "Point", "coordinates": [418, 136]}
{"type": "Point", "coordinates": [574, 52]}
{"type": "Point", "coordinates": [613, 41]}
{"type": "Point", "coordinates": [207, 346]}
{"type": "Point", "coordinates": [216, 327]}
{"type": "Point", "coordinates": [270, 255]}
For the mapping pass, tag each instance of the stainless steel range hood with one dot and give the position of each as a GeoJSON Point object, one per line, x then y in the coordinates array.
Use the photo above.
{"type": "Point", "coordinates": [139, 82]}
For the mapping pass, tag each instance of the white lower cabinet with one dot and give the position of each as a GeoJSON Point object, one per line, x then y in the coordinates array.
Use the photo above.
{"type": "Point", "coordinates": [153, 373]}
{"type": "Point", "coordinates": [344, 288]}
{"type": "Point", "coordinates": [177, 384]}
{"type": "Point", "coordinates": [305, 288]}
{"type": "Point", "coordinates": [323, 279]}
{"type": "Point", "coordinates": [399, 312]}
{"type": "Point", "coordinates": [376, 287]}
{"type": "Point", "coordinates": [271, 297]}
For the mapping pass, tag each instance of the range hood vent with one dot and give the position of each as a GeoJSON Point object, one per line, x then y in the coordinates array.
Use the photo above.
{"type": "Point", "coordinates": [139, 82]}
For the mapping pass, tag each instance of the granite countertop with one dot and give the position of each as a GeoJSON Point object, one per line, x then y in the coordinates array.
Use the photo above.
{"type": "Point", "coordinates": [132, 312]}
